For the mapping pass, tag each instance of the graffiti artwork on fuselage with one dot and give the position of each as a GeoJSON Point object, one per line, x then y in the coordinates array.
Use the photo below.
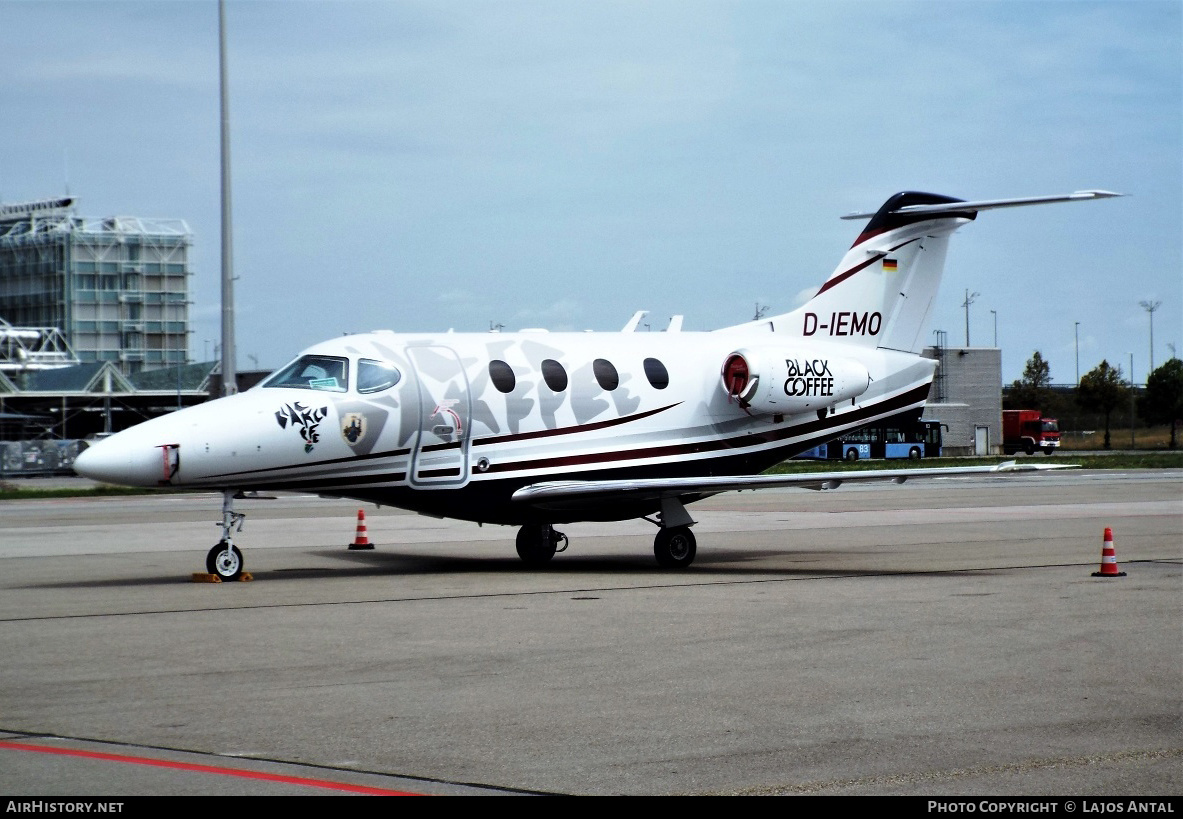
{"type": "Point", "coordinates": [304, 419]}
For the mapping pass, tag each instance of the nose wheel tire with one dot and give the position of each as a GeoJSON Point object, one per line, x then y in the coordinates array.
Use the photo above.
{"type": "Point", "coordinates": [675, 547]}
{"type": "Point", "coordinates": [225, 561]}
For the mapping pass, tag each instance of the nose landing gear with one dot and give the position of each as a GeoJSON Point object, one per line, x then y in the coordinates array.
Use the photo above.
{"type": "Point", "coordinates": [225, 559]}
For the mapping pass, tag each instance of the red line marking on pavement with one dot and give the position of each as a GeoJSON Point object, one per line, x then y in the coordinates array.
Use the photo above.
{"type": "Point", "coordinates": [187, 766]}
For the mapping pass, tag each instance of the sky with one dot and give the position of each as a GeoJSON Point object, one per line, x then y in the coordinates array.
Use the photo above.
{"type": "Point", "coordinates": [425, 166]}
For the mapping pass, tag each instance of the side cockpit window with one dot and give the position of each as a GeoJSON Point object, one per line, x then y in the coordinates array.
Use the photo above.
{"type": "Point", "coordinates": [313, 372]}
{"type": "Point", "coordinates": [375, 376]}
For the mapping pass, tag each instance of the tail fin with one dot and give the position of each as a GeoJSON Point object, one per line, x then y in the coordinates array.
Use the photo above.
{"type": "Point", "coordinates": [883, 291]}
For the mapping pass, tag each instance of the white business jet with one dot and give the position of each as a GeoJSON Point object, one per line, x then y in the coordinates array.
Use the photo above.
{"type": "Point", "coordinates": [534, 429]}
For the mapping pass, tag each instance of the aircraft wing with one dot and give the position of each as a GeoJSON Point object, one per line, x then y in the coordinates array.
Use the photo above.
{"type": "Point", "coordinates": [564, 492]}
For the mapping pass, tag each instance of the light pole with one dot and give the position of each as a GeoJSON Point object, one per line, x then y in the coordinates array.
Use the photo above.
{"type": "Point", "coordinates": [969, 299]}
{"type": "Point", "coordinates": [1150, 306]}
{"type": "Point", "coordinates": [995, 314]}
{"type": "Point", "coordinates": [1131, 400]}
{"type": "Point", "coordinates": [1077, 332]}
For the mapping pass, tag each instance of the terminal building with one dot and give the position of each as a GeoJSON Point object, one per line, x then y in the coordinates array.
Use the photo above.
{"type": "Point", "coordinates": [117, 287]}
{"type": "Point", "coordinates": [94, 329]}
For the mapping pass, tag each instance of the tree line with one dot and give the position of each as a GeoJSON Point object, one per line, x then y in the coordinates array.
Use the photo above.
{"type": "Point", "coordinates": [1102, 396]}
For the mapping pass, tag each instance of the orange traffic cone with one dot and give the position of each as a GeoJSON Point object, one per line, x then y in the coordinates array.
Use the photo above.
{"type": "Point", "coordinates": [360, 541]}
{"type": "Point", "coordinates": [1108, 558]}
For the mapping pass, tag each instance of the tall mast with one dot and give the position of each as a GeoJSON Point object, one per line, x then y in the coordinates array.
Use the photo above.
{"type": "Point", "coordinates": [229, 372]}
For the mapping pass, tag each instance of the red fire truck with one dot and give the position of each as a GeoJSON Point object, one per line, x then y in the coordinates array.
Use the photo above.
{"type": "Point", "coordinates": [1027, 431]}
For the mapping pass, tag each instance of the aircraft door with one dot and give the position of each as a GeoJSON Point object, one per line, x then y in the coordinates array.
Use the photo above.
{"type": "Point", "coordinates": [440, 457]}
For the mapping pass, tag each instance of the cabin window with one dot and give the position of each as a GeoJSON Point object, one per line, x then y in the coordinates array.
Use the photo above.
{"type": "Point", "coordinates": [502, 375]}
{"type": "Point", "coordinates": [313, 372]}
{"type": "Point", "coordinates": [375, 376]}
{"type": "Point", "coordinates": [657, 374]}
{"type": "Point", "coordinates": [554, 375]}
{"type": "Point", "coordinates": [606, 375]}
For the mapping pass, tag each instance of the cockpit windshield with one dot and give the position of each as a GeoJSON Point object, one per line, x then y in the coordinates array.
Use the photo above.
{"type": "Point", "coordinates": [313, 372]}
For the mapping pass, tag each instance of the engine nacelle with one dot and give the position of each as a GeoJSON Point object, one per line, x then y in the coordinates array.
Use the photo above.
{"type": "Point", "coordinates": [768, 381]}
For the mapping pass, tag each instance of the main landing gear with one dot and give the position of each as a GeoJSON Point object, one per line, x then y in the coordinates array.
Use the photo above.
{"type": "Point", "coordinates": [225, 560]}
{"type": "Point", "coordinates": [538, 543]}
{"type": "Point", "coordinates": [674, 547]}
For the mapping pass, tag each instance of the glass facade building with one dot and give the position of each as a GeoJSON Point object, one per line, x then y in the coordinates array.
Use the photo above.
{"type": "Point", "coordinates": [117, 287]}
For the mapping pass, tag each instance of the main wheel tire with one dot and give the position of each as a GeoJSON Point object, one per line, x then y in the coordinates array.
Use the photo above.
{"type": "Point", "coordinates": [1029, 448]}
{"type": "Point", "coordinates": [536, 544]}
{"type": "Point", "coordinates": [914, 453]}
{"type": "Point", "coordinates": [1049, 450]}
{"type": "Point", "coordinates": [226, 563]}
{"type": "Point", "coordinates": [852, 454]}
{"type": "Point", "coordinates": [675, 547]}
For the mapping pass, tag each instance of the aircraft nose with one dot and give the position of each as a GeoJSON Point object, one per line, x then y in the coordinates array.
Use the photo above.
{"type": "Point", "coordinates": [123, 462]}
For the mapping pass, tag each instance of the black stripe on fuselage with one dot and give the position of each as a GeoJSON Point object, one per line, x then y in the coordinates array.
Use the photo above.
{"type": "Point", "coordinates": [248, 474]}
{"type": "Point", "coordinates": [394, 453]}
{"type": "Point", "coordinates": [490, 501]}
{"type": "Point", "coordinates": [744, 441]}
{"type": "Point", "coordinates": [546, 433]}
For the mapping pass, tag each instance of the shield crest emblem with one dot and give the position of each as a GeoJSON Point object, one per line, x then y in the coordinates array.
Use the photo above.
{"type": "Point", "coordinates": [353, 427]}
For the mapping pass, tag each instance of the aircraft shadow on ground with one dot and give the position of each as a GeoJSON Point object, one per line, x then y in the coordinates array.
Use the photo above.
{"type": "Point", "coordinates": [720, 565]}
{"type": "Point", "coordinates": [715, 565]}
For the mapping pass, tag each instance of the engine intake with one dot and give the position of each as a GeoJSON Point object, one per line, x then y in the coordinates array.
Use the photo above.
{"type": "Point", "coordinates": [772, 381]}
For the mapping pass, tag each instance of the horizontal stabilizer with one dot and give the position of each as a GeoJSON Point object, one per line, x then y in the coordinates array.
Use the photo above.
{"type": "Point", "coordinates": [990, 204]}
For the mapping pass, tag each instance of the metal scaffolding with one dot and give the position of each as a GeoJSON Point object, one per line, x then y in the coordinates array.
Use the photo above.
{"type": "Point", "coordinates": [25, 349]}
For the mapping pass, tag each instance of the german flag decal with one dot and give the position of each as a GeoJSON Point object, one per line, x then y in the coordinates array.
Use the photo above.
{"type": "Point", "coordinates": [890, 266]}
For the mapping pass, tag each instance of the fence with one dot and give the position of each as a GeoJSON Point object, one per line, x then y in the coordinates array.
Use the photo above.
{"type": "Point", "coordinates": [50, 457]}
